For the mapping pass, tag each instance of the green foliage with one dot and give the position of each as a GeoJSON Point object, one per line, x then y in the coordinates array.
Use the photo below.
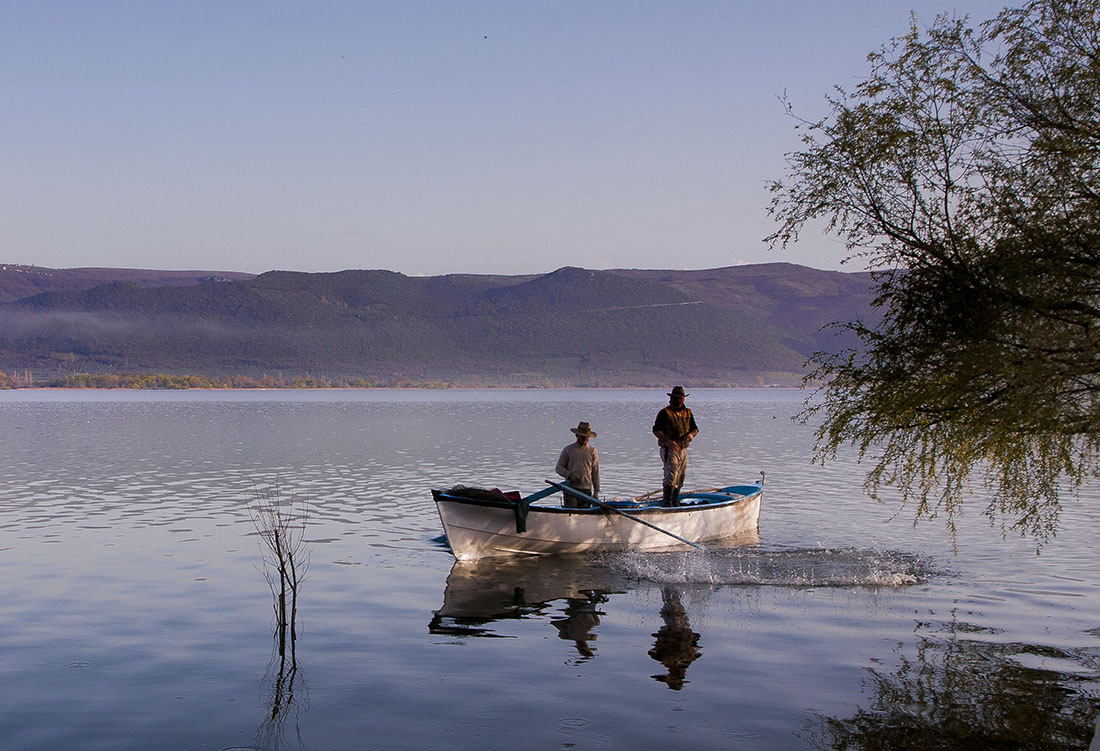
{"type": "Point", "coordinates": [965, 171]}
{"type": "Point", "coordinates": [191, 381]}
{"type": "Point", "coordinates": [137, 381]}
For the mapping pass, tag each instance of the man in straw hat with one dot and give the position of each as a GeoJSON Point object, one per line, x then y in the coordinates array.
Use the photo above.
{"type": "Point", "coordinates": [675, 428]}
{"type": "Point", "coordinates": [579, 464]}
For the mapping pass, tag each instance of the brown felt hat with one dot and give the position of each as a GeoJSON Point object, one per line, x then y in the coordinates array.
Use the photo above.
{"type": "Point", "coordinates": [583, 429]}
{"type": "Point", "coordinates": [677, 391]}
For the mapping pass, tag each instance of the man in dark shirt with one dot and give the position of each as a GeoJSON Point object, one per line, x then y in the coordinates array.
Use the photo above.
{"type": "Point", "coordinates": [675, 428]}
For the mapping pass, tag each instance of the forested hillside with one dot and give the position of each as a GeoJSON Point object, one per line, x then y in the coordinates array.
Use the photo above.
{"type": "Point", "coordinates": [742, 325]}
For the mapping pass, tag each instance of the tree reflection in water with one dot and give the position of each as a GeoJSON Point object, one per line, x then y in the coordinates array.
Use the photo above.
{"type": "Point", "coordinates": [286, 694]}
{"type": "Point", "coordinates": [677, 645]}
{"type": "Point", "coordinates": [966, 693]}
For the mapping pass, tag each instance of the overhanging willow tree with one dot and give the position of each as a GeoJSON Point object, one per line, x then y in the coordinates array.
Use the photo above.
{"type": "Point", "coordinates": [964, 171]}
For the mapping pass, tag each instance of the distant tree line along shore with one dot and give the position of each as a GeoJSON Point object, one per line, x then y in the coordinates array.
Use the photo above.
{"type": "Point", "coordinates": [166, 381]}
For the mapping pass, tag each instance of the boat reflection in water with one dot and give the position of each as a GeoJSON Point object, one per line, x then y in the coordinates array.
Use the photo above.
{"type": "Point", "coordinates": [569, 591]}
{"type": "Point", "coordinates": [483, 592]}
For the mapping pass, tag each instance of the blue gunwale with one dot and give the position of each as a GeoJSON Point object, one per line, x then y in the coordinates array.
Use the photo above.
{"type": "Point", "coordinates": [710, 499]}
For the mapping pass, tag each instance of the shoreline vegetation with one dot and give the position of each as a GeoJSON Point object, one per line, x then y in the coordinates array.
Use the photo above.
{"type": "Point", "coordinates": [166, 381]}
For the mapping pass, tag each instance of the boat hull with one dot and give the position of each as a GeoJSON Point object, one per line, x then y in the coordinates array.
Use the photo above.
{"type": "Point", "coordinates": [482, 528]}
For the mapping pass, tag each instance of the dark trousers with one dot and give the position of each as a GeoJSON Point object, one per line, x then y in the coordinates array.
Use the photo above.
{"type": "Point", "coordinates": [575, 501]}
{"type": "Point", "coordinates": [671, 495]}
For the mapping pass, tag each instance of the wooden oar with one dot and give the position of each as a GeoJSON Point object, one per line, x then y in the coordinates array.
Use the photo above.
{"type": "Point", "coordinates": [631, 517]}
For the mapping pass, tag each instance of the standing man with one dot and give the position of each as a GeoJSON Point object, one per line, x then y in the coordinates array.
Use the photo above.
{"type": "Point", "coordinates": [579, 464]}
{"type": "Point", "coordinates": [675, 428]}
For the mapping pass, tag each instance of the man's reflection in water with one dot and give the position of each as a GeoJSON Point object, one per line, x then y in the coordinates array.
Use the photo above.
{"type": "Point", "coordinates": [581, 616]}
{"type": "Point", "coordinates": [676, 645]}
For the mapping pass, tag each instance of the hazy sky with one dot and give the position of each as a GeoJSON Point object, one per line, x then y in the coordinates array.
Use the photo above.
{"type": "Point", "coordinates": [424, 137]}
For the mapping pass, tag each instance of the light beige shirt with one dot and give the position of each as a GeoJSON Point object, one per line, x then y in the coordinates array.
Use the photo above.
{"type": "Point", "coordinates": [580, 465]}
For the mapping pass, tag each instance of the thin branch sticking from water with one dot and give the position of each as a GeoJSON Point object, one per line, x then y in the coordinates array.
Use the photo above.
{"type": "Point", "coordinates": [281, 525]}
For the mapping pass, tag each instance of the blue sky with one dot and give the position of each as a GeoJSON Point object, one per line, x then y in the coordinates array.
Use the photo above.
{"type": "Point", "coordinates": [422, 137]}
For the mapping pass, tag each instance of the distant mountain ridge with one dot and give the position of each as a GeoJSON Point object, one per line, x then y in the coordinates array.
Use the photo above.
{"type": "Point", "coordinates": [18, 281]}
{"type": "Point", "coordinates": [739, 325]}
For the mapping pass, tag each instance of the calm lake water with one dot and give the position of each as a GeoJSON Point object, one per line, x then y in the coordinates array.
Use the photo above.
{"type": "Point", "coordinates": [134, 611]}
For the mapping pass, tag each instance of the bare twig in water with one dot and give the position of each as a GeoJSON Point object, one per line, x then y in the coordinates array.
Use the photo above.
{"type": "Point", "coordinates": [281, 525]}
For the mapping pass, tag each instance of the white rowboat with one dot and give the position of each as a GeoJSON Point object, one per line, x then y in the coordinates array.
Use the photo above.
{"type": "Point", "coordinates": [487, 523]}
